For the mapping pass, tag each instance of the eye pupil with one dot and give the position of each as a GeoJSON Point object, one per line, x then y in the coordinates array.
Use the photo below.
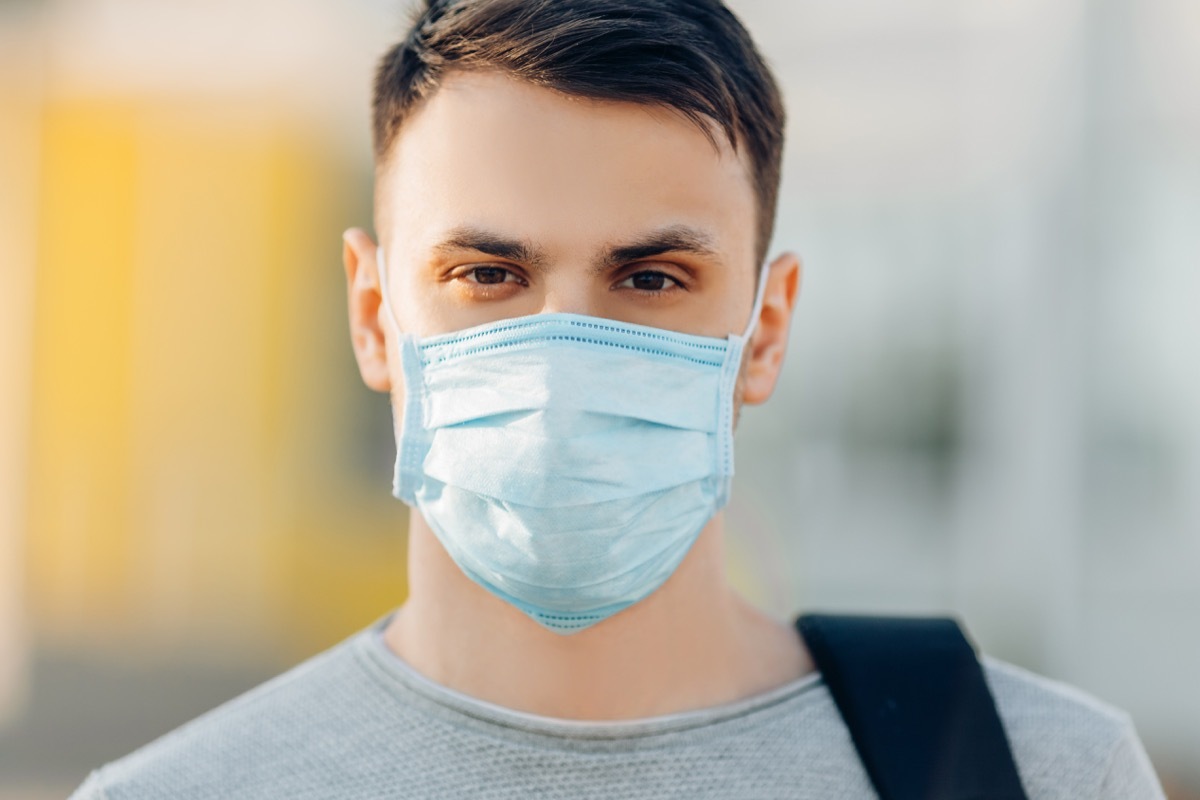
{"type": "Point", "coordinates": [490, 274]}
{"type": "Point", "coordinates": [649, 281]}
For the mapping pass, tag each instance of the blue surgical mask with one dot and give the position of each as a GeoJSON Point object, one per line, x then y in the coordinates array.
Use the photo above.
{"type": "Point", "coordinates": [567, 463]}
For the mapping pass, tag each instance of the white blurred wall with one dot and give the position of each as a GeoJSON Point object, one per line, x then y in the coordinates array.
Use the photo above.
{"type": "Point", "coordinates": [992, 402]}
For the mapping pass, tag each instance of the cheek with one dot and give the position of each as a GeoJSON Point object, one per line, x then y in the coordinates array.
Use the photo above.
{"type": "Point", "coordinates": [408, 301]}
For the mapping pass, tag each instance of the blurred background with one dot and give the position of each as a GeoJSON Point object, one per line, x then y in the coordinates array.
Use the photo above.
{"type": "Point", "coordinates": [991, 405]}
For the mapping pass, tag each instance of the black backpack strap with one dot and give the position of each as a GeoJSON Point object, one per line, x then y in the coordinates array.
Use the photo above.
{"type": "Point", "coordinates": [913, 694]}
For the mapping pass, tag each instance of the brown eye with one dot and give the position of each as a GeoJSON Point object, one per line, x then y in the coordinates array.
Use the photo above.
{"type": "Point", "coordinates": [650, 281]}
{"type": "Point", "coordinates": [489, 274]}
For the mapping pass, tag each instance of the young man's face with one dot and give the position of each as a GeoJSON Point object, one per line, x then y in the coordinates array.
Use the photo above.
{"type": "Point", "coordinates": [501, 199]}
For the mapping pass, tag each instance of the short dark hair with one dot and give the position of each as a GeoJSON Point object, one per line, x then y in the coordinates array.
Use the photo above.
{"type": "Point", "coordinates": [690, 55]}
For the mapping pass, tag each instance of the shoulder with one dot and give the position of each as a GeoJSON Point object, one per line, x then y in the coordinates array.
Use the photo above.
{"type": "Point", "coordinates": [280, 731]}
{"type": "Point", "coordinates": [1068, 743]}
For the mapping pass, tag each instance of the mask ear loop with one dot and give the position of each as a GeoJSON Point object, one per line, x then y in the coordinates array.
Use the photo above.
{"type": "Point", "coordinates": [729, 375]}
{"type": "Point", "coordinates": [383, 291]}
{"type": "Point", "coordinates": [759, 293]}
{"type": "Point", "coordinates": [411, 438]}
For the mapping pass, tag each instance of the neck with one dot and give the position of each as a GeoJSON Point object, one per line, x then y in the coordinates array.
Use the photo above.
{"type": "Point", "coordinates": [693, 643]}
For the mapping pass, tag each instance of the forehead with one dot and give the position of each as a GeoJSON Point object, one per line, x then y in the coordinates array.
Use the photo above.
{"type": "Point", "coordinates": [494, 151]}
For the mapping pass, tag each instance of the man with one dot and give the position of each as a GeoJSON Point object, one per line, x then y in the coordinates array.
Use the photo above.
{"type": "Point", "coordinates": [566, 303]}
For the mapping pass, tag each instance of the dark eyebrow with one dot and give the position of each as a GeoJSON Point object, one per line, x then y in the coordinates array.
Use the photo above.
{"type": "Point", "coordinates": [671, 239]}
{"type": "Point", "coordinates": [494, 244]}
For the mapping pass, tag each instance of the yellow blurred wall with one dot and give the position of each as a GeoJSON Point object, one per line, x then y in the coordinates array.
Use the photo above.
{"type": "Point", "coordinates": [186, 485]}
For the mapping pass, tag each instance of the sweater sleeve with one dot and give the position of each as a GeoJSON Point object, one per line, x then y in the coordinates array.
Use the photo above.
{"type": "Point", "coordinates": [90, 789]}
{"type": "Point", "coordinates": [1129, 774]}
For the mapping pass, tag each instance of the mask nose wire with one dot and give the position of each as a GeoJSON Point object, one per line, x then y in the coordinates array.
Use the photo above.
{"type": "Point", "coordinates": [383, 290]}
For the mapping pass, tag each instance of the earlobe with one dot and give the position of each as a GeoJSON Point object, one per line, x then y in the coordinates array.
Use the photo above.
{"type": "Point", "coordinates": [768, 345]}
{"type": "Point", "coordinates": [367, 336]}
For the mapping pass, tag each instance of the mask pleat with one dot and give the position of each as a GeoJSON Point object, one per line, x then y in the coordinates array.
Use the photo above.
{"type": "Point", "coordinates": [568, 463]}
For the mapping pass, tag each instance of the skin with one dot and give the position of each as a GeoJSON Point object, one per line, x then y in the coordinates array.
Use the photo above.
{"type": "Point", "coordinates": [501, 199]}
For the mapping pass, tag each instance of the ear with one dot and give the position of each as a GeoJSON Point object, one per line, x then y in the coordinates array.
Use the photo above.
{"type": "Point", "coordinates": [769, 342]}
{"type": "Point", "coordinates": [362, 290]}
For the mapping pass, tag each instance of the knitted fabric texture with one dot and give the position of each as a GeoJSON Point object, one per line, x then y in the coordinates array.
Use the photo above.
{"type": "Point", "coordinates": [357, 722]}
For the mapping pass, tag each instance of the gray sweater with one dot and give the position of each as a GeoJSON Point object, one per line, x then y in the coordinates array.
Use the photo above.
{"type": "Point", "coordinates": [357, 722]}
